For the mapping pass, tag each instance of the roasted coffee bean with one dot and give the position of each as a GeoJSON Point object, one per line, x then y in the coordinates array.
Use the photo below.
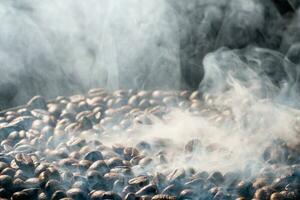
{"type": "Point", "coordinates": [195, 95]}
{"type": "Point", "coordinates": [4, 193]}
{"type": "Point", "coordinates": [59, 194]}
{"type": "Point", "coordinates": [37, 102]}
{"type": "Point", "coordinates": [245, 189]}
{"type": "Point", "coordinates": [187, 194]}
{"type": "Point", "coordinates": [143, 146]}
{"type": "Point", "coordinates": [139, 181]}
{"type": "Point", "coordinates": [24, 162]}
{"type": "Point", "coordinates": [176, 176]}
{"type": "Point", "coordinates": [100, 166]}
{"type": "Point", "coordinates": [130, 196]}
{"type": "Point", "coordinates": [115, 162]}
{"type": "Point", "coordinates": [145, 197]}
{"type": "Point", "coordinates": [8, 171]}
{"type": "Point", "coordinates": [111, 195]}
{"type": "Point", "coordinates": [32, 192]}
{"type": "Point", "coordinates": [32, 183]}
{"type": "Point", "coordinates": [163, 197]}
{"type": "Point", "coordinates": [130, 152]}
{"type": "Point", "coordinates": [93, 156]}
{"type": "Point", "coordinates": [216, 178]}
{"type": "Point", "coordinates": [77, 194]}
{"type": "Point", "coordinates": [52, 186]}
{"type": "Point", "coordinates": [20, 196]}
{"type": "Point", "coordinates": [147, 190]}
{"type": "Point", "coordinates": [5, 181]}
{"type": "Point", "coordinates": [195, 183]}
{"type": "Point", "coordinates": [94, 176]}
{"type": "Point", "coordinates": [172, 190]}
{"type": "Point", "coordinates": [145, 162]}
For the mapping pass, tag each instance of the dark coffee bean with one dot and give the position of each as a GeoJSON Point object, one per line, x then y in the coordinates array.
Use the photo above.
{"type": "Point", "coordinates": [94, 177]}
{"type": "Point", "coordinates": [144, 103]}
{"type": "Point", "coordinates": [93, 156]}
{"type": "Point", "coordinates": [133, 101]}
{"type": "Point", "coordinates": [44, 177]}
{"type": "Point", "coordinates": [77, 194]}
{"type": "Point", "coordinates": [4, 193]}
{"type": "Point", "coordinates": [135, 160]}
{"type": "Point", "coordinates": [195, 95]}
{"type": "Point", "coordinates": [143, 146]}
{"type": "Point", "coordinates": [263, 193]}
{"type": "Point", "coordinates": [86, 123]}
{"type": "Point", "coordinates": [195, 183]}
{"type": "Point", "coordinates": [68, 163]}
{"type": "Point", "coordinates": [40, 168]}
{"type": "Point", "coordinates": [220, 196]}
{"type": "Point", "coordinates": [176, 176]}
{"type": "Point", "coordinates": [216, 178]}
{"type": "Point", "coordinates": [187, 194]}
{"type": "Point", "coordinates": [114, 162]}
{"type": "Point", "coordinates": [129, 189]}
{"type": "Point", "coordinates": [59, 194]}
{"type": "Point", "coordinates": [145, 197]}
{"type": "Point", "coordinates": [130, 196]}
{"type": "Point", "coordinates": [111, 195]}
{"type": "Point", "coordinates": [279, 184]}
{"type": "Point", "coordinates": [245, 189]}
{"type": "Point", "coordinates": [172, 190]}
{"type": "Point", "coordinates": [118, 186]}
{"type": "Point", "coordinates": [18, 184]}
{"type": "Point", "coordinates": [163, 197]}
{"type": "Point", "coordinates": [100, 166]}
{"type": "Point", "coordinates": [3, 165]}
{"type": "Point", "coordinates": [20, 196]}
{"type": "Point", "coordinates": [148, 190]}
{"type": "Point", "coordinates": [32, 192]}
{"type": "Point", "coordinates": [32, 183]}
{"type": "Point", "coordinates": [25, 163]}
{"type": "Point", "coordinates": [52, 186]}
{"type": "Point", "coordinates": [97, 195]}
{"type": "Point", "coordinates": [259, 183]}
{"type": "Point", "coordinates": [84, 165]}
{"type": "Point", "coordinates": [139, 181]}
{"type": "Point", "coordinates": [277, 196]}
{"type": "Point", "coordinates": [37, 102]}
{"type": "Point", "coordinates": [8, 171]}
{"type": "Point", "coordinates": [82, 185]}
{"type": "Point", "coordinates": [5, 181]}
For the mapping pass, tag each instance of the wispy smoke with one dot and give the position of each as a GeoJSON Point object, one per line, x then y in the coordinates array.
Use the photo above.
{"type": "Point", "coordinates": [241, 55]}
{"type": "Point", "coordinates": [62, 47]}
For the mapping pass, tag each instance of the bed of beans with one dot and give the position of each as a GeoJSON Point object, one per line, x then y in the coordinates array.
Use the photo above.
{"type": "Point", "coordinates": [54, 150]}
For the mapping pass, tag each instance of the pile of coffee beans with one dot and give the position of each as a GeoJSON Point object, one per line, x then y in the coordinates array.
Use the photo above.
{"type": "Point", "coordinates": [57, 149]}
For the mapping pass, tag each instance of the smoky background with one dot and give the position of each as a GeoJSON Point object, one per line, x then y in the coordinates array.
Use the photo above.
{"type": "Point", "coordinates": [65, 47]}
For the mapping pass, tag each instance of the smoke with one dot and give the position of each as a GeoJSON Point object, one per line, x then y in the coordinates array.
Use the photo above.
{"type": "Point", "coordinates": [62, 47]}
{"type": "Point", "coordinates": [244, 111]}
{"type": "Point", "coordinates": [65, 47]}
{"type": "Point", "coordinates": [241, 55]}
